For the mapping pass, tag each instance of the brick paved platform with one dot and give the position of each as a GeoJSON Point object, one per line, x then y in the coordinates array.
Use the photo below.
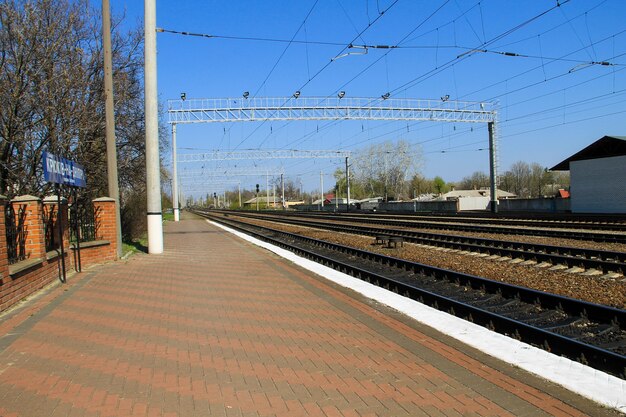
{"type": "Point", "coordinates": [218, 327]}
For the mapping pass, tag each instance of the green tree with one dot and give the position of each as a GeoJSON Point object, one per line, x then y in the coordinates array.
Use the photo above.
{"type": "Point", "coordinates": [418, 185]}
{"type": "Point", "coordinates": [440, 185]}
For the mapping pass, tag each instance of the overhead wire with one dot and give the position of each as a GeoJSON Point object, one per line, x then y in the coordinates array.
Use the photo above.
{"type": "Point", "coordinates": [428, 74]}
{"type": "Point", "coordinates": [323, 68]}
{"type": "Point", "coordinates": [432, 72]}
{"type": "Point", "coordinates": [550, 29]}
{"type": "Point", "coordinates": [420, 24]}
{"type": "Point", "coordinates": [286, 48]}
{"type": "Point", "coordinates": [534, 84]}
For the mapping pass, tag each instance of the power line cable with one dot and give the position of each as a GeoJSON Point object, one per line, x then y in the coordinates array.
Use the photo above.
{"type": "Point", "coordinates": [383, 56]}
{"type": "Point", "coordinates": [327, 64]}
{"type": "Point", "coordinates": [563, 123]}
{"type": "Point", "coordinates": [286, 47]}
{"type": "Point", "coordinates": [432, 72]}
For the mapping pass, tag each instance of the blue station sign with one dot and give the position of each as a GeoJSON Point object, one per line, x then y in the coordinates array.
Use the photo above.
{"type": "Point", "coordinates": [63, 171]}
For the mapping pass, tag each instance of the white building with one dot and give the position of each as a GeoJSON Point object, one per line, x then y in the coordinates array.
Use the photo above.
{"type": "Point", "coordinates": [598, 176]}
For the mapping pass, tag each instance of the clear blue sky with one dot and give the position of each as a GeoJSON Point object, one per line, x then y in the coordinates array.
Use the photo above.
{"type": "Point", "coordinates": [548, 109]}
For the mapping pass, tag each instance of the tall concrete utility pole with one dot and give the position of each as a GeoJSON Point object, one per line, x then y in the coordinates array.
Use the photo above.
{"type": "Point", "coordinates": [114, 190]}
{"type": "Point", "coordinates": [348, 185]}
{"type": "Point", "coordinates": [322, 186]}
{"type": "Point", "coordinates": [282, 193]}
{"type": "Point", "coordinates": [493, 167]}
{"type": "Point", "coordinates": [267, 191]}
{"type": "Point", "coordinates": [153, 174]}
{"type": "Point", "coordinates": [174, 176]}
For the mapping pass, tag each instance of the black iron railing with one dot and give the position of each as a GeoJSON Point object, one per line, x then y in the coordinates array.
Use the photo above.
{"type": "Point", "coordinates": [83, 220]}
{"type": "Point", "coordinates": [50, 228]}
{"type": "Point", "coordinates": [15, 232]}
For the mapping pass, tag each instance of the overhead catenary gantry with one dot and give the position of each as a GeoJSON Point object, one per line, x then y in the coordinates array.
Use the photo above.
{"type": "Point", "coordinates": [241, 172]}
{"type": "Point", "coordinates": [260, 154]}
{"type": "Point", "coordinates": [224, 110]}
{"type": "Point", "coordinates": [216, 187]}
{"type": "Point", "coordinates": [253, 155]}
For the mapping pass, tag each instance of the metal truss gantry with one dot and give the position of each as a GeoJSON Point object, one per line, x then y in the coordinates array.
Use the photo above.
{"type": "Point", "coordinates": [220, 110]}
{"type": "Point", "coordinates": [259, 154]}
{"type": "Point", "coordinates": [217, 188]}
{"type": "Point", "coordinates": [212, 175]}
{"type": "Point", "coordinates": [200, 178]}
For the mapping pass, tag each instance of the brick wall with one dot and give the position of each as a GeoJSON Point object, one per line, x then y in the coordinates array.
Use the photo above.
{"type": "Point", "coordinates": [39, 269]}
{"type": "Point", "coordinates": [4, 256]}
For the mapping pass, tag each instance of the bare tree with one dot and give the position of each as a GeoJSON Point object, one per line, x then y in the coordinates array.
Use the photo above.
{"type": "Point", "coordinates": [475, 181]}
{"type": "Point", "coordinates": [382, 169]}
{"type": "Point", "coordinates": [52, 94]}
{"type": "Point", "coordinates": [520, 177]}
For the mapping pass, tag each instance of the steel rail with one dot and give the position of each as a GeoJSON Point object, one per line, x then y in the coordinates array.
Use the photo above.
{"type": "Point", "coordinates": [594, 356]}
{"type": "Point", "coordinates": [605, 261]}
{"type": "Point", "coordinates": [521, 230]}
{"type": "Point", "coordinates": [542, 223]}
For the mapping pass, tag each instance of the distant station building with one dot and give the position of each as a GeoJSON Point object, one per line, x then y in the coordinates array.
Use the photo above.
{"type": "Point", "coordinates": [598, 176]}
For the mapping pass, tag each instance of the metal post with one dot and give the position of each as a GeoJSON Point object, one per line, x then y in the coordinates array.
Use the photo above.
{"type": "Point", "coordinates": [153, 174]}
{"type": "Point", "coordinates": [386, 198]}
{"type": "Point", "coordinates": [322, 187]}
{"type": "Point", "coordinates": [60, 227]}
{"type": "Point", "coordinates": [282, 195]}
{"type": "Point", "coordinates": [492, 167]}
{"type": "Point", "coordinates": [348, 184]}
{"type": "Point", "coordinates": [267, 190]}
{"type": "Point", "coordinates": [114, 191]}
{"type": "Point", "coordinates": [174, 176]}
{"type": "Point", "coordinates": [77, 261]}
{"type": "Point", "coordinates": [239, 194]}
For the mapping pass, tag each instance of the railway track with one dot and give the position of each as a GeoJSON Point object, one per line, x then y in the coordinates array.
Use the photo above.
{"type": "Point", "coordinates": [529, 229]}
{"type": "Point", "coordinates": [613, 224]}
{"type": "Point", "coordinates": [606, 262]}
{"type": "Point", "coordinates": [589, 333]}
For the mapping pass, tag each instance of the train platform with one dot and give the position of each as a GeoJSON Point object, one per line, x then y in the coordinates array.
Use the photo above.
{"type": "Point", "coordinates": [216, 326]}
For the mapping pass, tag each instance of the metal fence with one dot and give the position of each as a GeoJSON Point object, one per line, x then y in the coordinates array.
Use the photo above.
{"type": "Point", "coordinates": [15, 233]}
{"type": "Point", "coordinates": [83, 220]}
{"type": "Point", "coordinates": [50, 228]}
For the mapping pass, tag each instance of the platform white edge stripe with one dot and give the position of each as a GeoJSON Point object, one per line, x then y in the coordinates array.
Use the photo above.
{"type": "Point", "coordinates": [598, 386]}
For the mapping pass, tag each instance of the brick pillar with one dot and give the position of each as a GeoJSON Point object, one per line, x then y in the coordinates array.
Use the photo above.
{"type": "Point", "coordinates": [106, 227]}
{"type": "Point", "coordinates": [50, 203]}
{"type": "Point", "coordinates": [33, 225]}
{"type": "Point", "coordinates": [4, 256]}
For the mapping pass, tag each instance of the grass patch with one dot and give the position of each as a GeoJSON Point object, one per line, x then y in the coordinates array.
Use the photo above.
{"type": "Point", "coordinates": [136, 246]}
